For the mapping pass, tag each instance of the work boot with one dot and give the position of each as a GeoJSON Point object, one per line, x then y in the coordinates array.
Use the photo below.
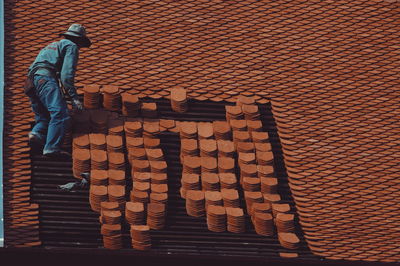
{"type": "Point", "coordinates": [35, 140]}
{"type": "Point", "coordinates": [36, 143]}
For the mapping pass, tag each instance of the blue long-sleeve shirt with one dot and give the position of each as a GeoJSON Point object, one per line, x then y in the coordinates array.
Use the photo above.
{"type": "Point", "coordinates": [58, 57]}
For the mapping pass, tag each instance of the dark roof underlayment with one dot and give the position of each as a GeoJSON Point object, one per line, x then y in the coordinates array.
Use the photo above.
{"type": "Point", "coordinates": [329, 70]}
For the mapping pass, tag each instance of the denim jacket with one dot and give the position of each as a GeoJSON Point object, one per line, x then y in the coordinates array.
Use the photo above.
{"type": "Point", "coordinates": [58, 57]}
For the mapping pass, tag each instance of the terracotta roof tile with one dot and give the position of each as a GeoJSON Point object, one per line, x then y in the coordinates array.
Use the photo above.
{"type": "Point", "coordinates": [179, 100]}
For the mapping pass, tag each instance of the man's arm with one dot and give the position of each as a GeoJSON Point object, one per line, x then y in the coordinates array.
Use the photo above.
{"type": "Point", "coordinates": [68, 70]}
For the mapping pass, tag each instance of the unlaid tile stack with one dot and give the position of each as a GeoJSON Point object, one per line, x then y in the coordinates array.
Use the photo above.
{"type": "Point", "coordinates": [140, 235]}
{"type": "Point", "coordinates": [110, 220]}
{"type": "Point", "coordinates": [91, 96]}
{"type": "Point", "coordinates": [148, 197]}
{"type": "Point", "coordinates": [111, 98]}
{"type": "Point", "coordinates": [101, 152]}
{"type": "Point", "coordinates": [179, 100]}
{"type": "Point", "coordinates": [208, 181]}
{"type": "Point", "coordinates": [102, 142]}
{"type": "Point", "coordinates": [80, 155]}
{"type": "Point", "coordinates": [257, 178]}
{"type": "Point", "coordinates": [130, 104]}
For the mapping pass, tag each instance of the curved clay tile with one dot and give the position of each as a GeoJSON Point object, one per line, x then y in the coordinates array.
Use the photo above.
{"type": "Point", "coordinates": [97, 141]}
{"type": "Point", "coordinates": [81, 154]}
{"type": "Point", "coordinates": [191, 163]}
{"type": "Point", "coordinates": [159, 178]}
{"type": "Point", "coordinates": [260, 137]}
{"type": "Point", "coordinates": [230, 197]}
{"type": "Point", "coordinates": [208, 147]}
{"type": "Point", "coordinates": [151, 143]}
{"type": "Point", "coordinates": [263, 224]}
{"type": "Point", "coordinates": [140, 166]}
{"type": "Point", "coordinates": [188, 130]}
{"type": "Point", "coordinates": [167, 123]}
{"type": "Point", "coordinates": [158, 166]}
{"type": "Point", "coordinates": [159, 198]}
{"type": "Point", "coordinates": [246, 158]}
{"type": "Point", "coordinates": [226, 165]}
{"type": "Point", "coordinates": [208, 164]}
{"type": "Point", "coordinates": [116, 192]}
{"type": "Point", "coordinates": [114, 143]}
{"type": "Point", "coordinates": [179, 100]}
{"type": "Point", "coordinates": [241, 136]}
{"type": "Point", "coordinates": [213, 198]}
{"type": "Point", "coordinates": [238, 125]}
{"type": "Point", "coordinates": [289, 240]}
{"type": "Point", "coordinates": [81, 141]}
{"type": "Point", "coordinates": [226, 148]}
{"type": "Point", "coordinates": [195, 203]}
{"type": "Point", "coordinates": [216, 218]}
{"type": "Point", "coordinates": [233, 112]}
{"type": "Point", "coordinates": [248, 170]}
{"type": "Point", "coordinates": [254, 125]}
{"type": "Point", "coordinates": [116, 177]}
{"type": "Point", "coordinates": [141, 176]}
{"type": "Point", "coordinates": [116, 160]}
{"type": "Point", "coordinates": [209, 182]}
{"type": "Point", "coordinates": [141, 186]}
{"type": "Point", "coordinates": [98, 159]}
{"type": "Point", "coordinates": [109, 206]}
{"type": "Point", "coordinates": [134, 142]}
{"type": "Point", "coordinates": [222, 130]}
{"type": "Point", "coordinates": [205, 130]}
{"type": "Point", "coordinates": [99, 177]}
{"type": "Point", "coordinates": [269, 185]}
{"type": "Point", "coordinates": [262, 146]}
{"type": "Point", "coordinates": [235, 220]}
{"type": "Point", "coordinates": [91, 96]}
{"type": "Point", "coordinates": [228, 180]}
{"type": "Point", "coordinates": [154, 154]}
{"type": "Point", "coordinates": [285, 223]}
{"type": "Point", "coordinates": [159, 188]}
{"type": "Point", "coordinates": [136, 154]}
{"type": "Point", "coordinates": [139, 196]}
{"type": "Point", "coordinates": [251, 184]}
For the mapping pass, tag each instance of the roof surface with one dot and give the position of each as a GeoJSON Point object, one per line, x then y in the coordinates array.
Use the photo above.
{"type": "Point", "coordinates": [330, 69]}
{"type": "Point", "coordinates": [68, 220]}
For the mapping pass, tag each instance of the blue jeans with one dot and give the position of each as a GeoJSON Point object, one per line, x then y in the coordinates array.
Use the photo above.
{"type": "Point", "coordinates": [51, 113]}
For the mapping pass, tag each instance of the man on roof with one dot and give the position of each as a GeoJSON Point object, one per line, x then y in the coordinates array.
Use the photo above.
{"type": "Point", "coordinates": [55, 63]}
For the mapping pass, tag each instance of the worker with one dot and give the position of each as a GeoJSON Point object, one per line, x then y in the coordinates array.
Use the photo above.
{"type": "Point", "coordinates": [55, 63]}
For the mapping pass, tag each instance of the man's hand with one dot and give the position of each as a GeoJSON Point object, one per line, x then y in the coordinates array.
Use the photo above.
{"type": "Point", "coordinates": [77, 105]}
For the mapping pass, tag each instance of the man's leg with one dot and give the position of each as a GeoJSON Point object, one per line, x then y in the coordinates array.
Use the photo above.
{"type": "Point", "coordinates": [51, 97]}
{"type": "Point", "coordinates": [39, 131]}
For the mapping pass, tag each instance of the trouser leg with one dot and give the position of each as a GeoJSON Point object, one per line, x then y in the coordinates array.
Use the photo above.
{"type": "Point", "coordinates": [51, 97]}
{"type": "Point", "coordinates": [42, 118]}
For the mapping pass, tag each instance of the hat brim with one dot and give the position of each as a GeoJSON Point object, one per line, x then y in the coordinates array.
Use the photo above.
{"type": "Point", "coordinates": [85, 41]}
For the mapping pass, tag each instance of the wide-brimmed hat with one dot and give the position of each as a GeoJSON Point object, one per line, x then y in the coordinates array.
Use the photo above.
{"type": "Point", "coordinates": [77, 30]}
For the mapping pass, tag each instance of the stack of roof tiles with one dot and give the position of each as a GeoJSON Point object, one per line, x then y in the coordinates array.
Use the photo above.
{"type": "Point", "coordinates": [209, 183]}
{"type": "Point", "coordinates": [105, 148]}
{"type": "Point", "coordinates": [179, 100]}
{"type": "Point", "coordinates": [330, 68]}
